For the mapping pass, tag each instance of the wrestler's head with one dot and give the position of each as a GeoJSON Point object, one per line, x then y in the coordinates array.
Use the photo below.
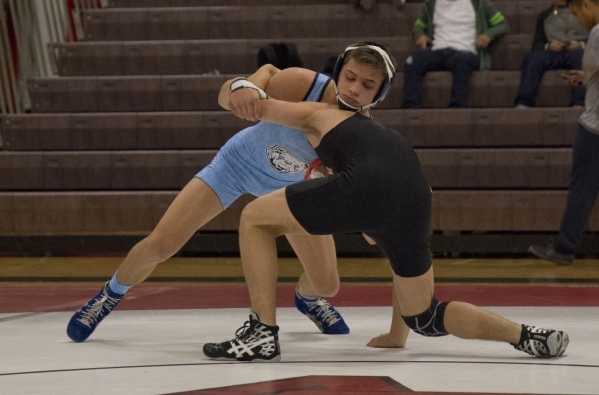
{"type": "Point", "coordinates": [363, 75]}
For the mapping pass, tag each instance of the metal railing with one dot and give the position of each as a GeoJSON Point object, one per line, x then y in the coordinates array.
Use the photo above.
{"type": "Point", "coordinates": [29, 31]}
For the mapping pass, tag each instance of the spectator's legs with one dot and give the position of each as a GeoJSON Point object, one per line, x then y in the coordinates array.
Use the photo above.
{"type": "Point", "coordinates": [461, 64]}
{"type": "Point", "coordinates": [416, 67]}
{"type": "Point", "coordinates": [573, 61]}
{"type": "Point", "coordinates": [534, 65]}
{"type": "Point", "coordinates": [582, 191]}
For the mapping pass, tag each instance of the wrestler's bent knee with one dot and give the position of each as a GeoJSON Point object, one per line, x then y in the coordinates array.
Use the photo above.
{"type": "Point", "coordinates": [250, 215]}
{"type": "Point", "coordinates": [430, 322]}
{"type": "Point", "coordinates": [326, 287]}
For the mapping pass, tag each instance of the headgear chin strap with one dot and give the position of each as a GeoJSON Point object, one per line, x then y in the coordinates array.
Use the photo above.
{"type": "Point", "coordinates": [385, 87]}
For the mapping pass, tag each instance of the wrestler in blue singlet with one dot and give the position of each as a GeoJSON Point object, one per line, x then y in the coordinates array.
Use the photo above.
{"type": "Point", "coordinates": [262, 158]}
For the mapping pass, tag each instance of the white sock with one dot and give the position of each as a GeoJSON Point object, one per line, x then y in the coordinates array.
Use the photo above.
{"type": "Point", "coordinates": [306, 297]}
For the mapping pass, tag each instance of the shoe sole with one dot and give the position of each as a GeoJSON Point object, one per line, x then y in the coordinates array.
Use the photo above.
{"type": "Point", "coordinates": [75, 335]}
{"type": "Point", "coordinates": [328, 332]}
{"type": "Point", "coordinates": [564, 345]}
{"type": "Point", "coordinates": [75, 338]}
{"type": "Point", "coordinates": [561, 262]}
{"type": "Point", "coordinates": [257, 360]}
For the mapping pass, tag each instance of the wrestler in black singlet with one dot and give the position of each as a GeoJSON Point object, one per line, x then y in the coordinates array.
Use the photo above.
{"type": "Point", "coordinates": [377, 187]}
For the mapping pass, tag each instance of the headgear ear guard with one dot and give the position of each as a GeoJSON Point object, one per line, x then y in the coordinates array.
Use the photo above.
{"type": "Point", "coordinates": [385, 87]}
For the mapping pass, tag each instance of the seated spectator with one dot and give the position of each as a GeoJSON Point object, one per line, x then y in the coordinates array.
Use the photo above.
{"type": "Point", "coordinates": [452, 35]}
{"type": "Point", "coordinates": [558, 43]}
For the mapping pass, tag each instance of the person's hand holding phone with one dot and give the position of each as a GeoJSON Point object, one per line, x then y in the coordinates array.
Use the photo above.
{"type": "Point", "coordinates": [574, 77]}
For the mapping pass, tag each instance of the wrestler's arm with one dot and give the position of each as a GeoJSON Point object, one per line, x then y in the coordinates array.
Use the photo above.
{"type": "Point", "coordinates": [398, 333]}
{"type": "Point", "coordinates": [295, 115]}
{"type": "Point", "coordinates": [290, 84]}
{"type": "Point", "coordinates": [260, 78]}
{"type": "Point", "coordinates": [315, 119]}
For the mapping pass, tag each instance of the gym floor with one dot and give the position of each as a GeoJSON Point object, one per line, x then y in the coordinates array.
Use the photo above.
{"type": "Point", "coordinates": [151, 344]}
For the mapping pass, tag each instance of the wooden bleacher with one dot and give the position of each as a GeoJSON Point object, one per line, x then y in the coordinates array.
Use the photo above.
{"type": "Point", "coordinates": [133, 116]}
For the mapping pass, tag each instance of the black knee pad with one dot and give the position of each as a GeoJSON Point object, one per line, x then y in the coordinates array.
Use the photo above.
{"type": "Point", "coordinates": [430, 322]}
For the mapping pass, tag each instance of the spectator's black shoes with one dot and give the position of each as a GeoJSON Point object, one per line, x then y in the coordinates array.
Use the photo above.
{"type": "Point", "coordinates": [549, 254]}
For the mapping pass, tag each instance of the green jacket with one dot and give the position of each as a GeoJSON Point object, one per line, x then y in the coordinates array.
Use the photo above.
{"type": "Point", "coordinates": [488, 21]}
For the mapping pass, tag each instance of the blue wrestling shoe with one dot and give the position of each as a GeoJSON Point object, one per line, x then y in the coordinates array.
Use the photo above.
{"type": "Point", "coordinates": [326, 318]}
{"type": "Point", "coordinates": [89, 316]}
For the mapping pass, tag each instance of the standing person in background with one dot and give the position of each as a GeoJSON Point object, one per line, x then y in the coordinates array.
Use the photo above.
{"type": "Point", "coordinates": [558, 43]}
{"type": "Point", "coordinates": [584, 177]}
{"type": "Point", "coordinates": [451, 35]}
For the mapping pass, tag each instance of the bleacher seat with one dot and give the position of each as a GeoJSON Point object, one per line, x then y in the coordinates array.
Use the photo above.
{"type": "Point", "coordinates": [228, 22]}
{"type": "Point", "coordinates": [464, 168]}
{"type": "Point", "coordinates": [137, 212]}
{"type": "Point", "coordinates": [195, 3]}
{"type": "Point", "coordinates": [488, 89]}
{"type": "Point", "coordinates": [88, 213]}
{"type": "Point", "coordinates": [425, 128]}
{"type": "Point", "coordinates": [236, 56]}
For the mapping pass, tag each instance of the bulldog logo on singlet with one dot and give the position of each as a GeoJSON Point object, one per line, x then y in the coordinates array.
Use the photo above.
{"type": "Point", "coordinates": [283, 161]}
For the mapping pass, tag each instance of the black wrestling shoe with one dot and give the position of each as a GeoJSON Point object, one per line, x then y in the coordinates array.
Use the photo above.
{"type": "Point", "coordinates": [542, 343]}
{"type": "Point", "coordinates": [255, 342]}
{"type": "Point", "coordinates": [549, 254]}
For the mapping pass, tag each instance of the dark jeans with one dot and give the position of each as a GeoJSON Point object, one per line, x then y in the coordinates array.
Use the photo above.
{"type": "Point", "coordinates": [535, 64]}
{"type": "Point", "coordinates": [460, 63]}
{"type": "Point", "coordinates": [582, 191]}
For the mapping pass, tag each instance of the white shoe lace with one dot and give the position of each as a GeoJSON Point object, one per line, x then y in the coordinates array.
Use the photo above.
{"type": "Point", "coordinates": [536, 347]}
{"type": "Point", "coordinates": [90, 317]}
{"type": "Point", "coordinates": [324, 310]}
{"type": "Point", "coordinates": [250, 336]}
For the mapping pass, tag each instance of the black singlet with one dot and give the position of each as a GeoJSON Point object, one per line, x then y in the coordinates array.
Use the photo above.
{"type": "Point", "coordinates": [377, 188]}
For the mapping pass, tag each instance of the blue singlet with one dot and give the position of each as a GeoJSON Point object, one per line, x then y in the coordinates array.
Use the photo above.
{"type": "Point", "coordinates": [262, 158]}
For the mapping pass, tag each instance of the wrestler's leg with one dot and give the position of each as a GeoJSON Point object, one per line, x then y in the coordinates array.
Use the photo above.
{"type": "Point", "coordinates": [460, 319]}
{"type": "Point", "coordinates": [320, 280]}
{"type": "Point", "coordinates": [261, 222]}
{"type": "Point", "coordinates": [193, 207]}
{"type": "Point", "coordinates": [318, 257]}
